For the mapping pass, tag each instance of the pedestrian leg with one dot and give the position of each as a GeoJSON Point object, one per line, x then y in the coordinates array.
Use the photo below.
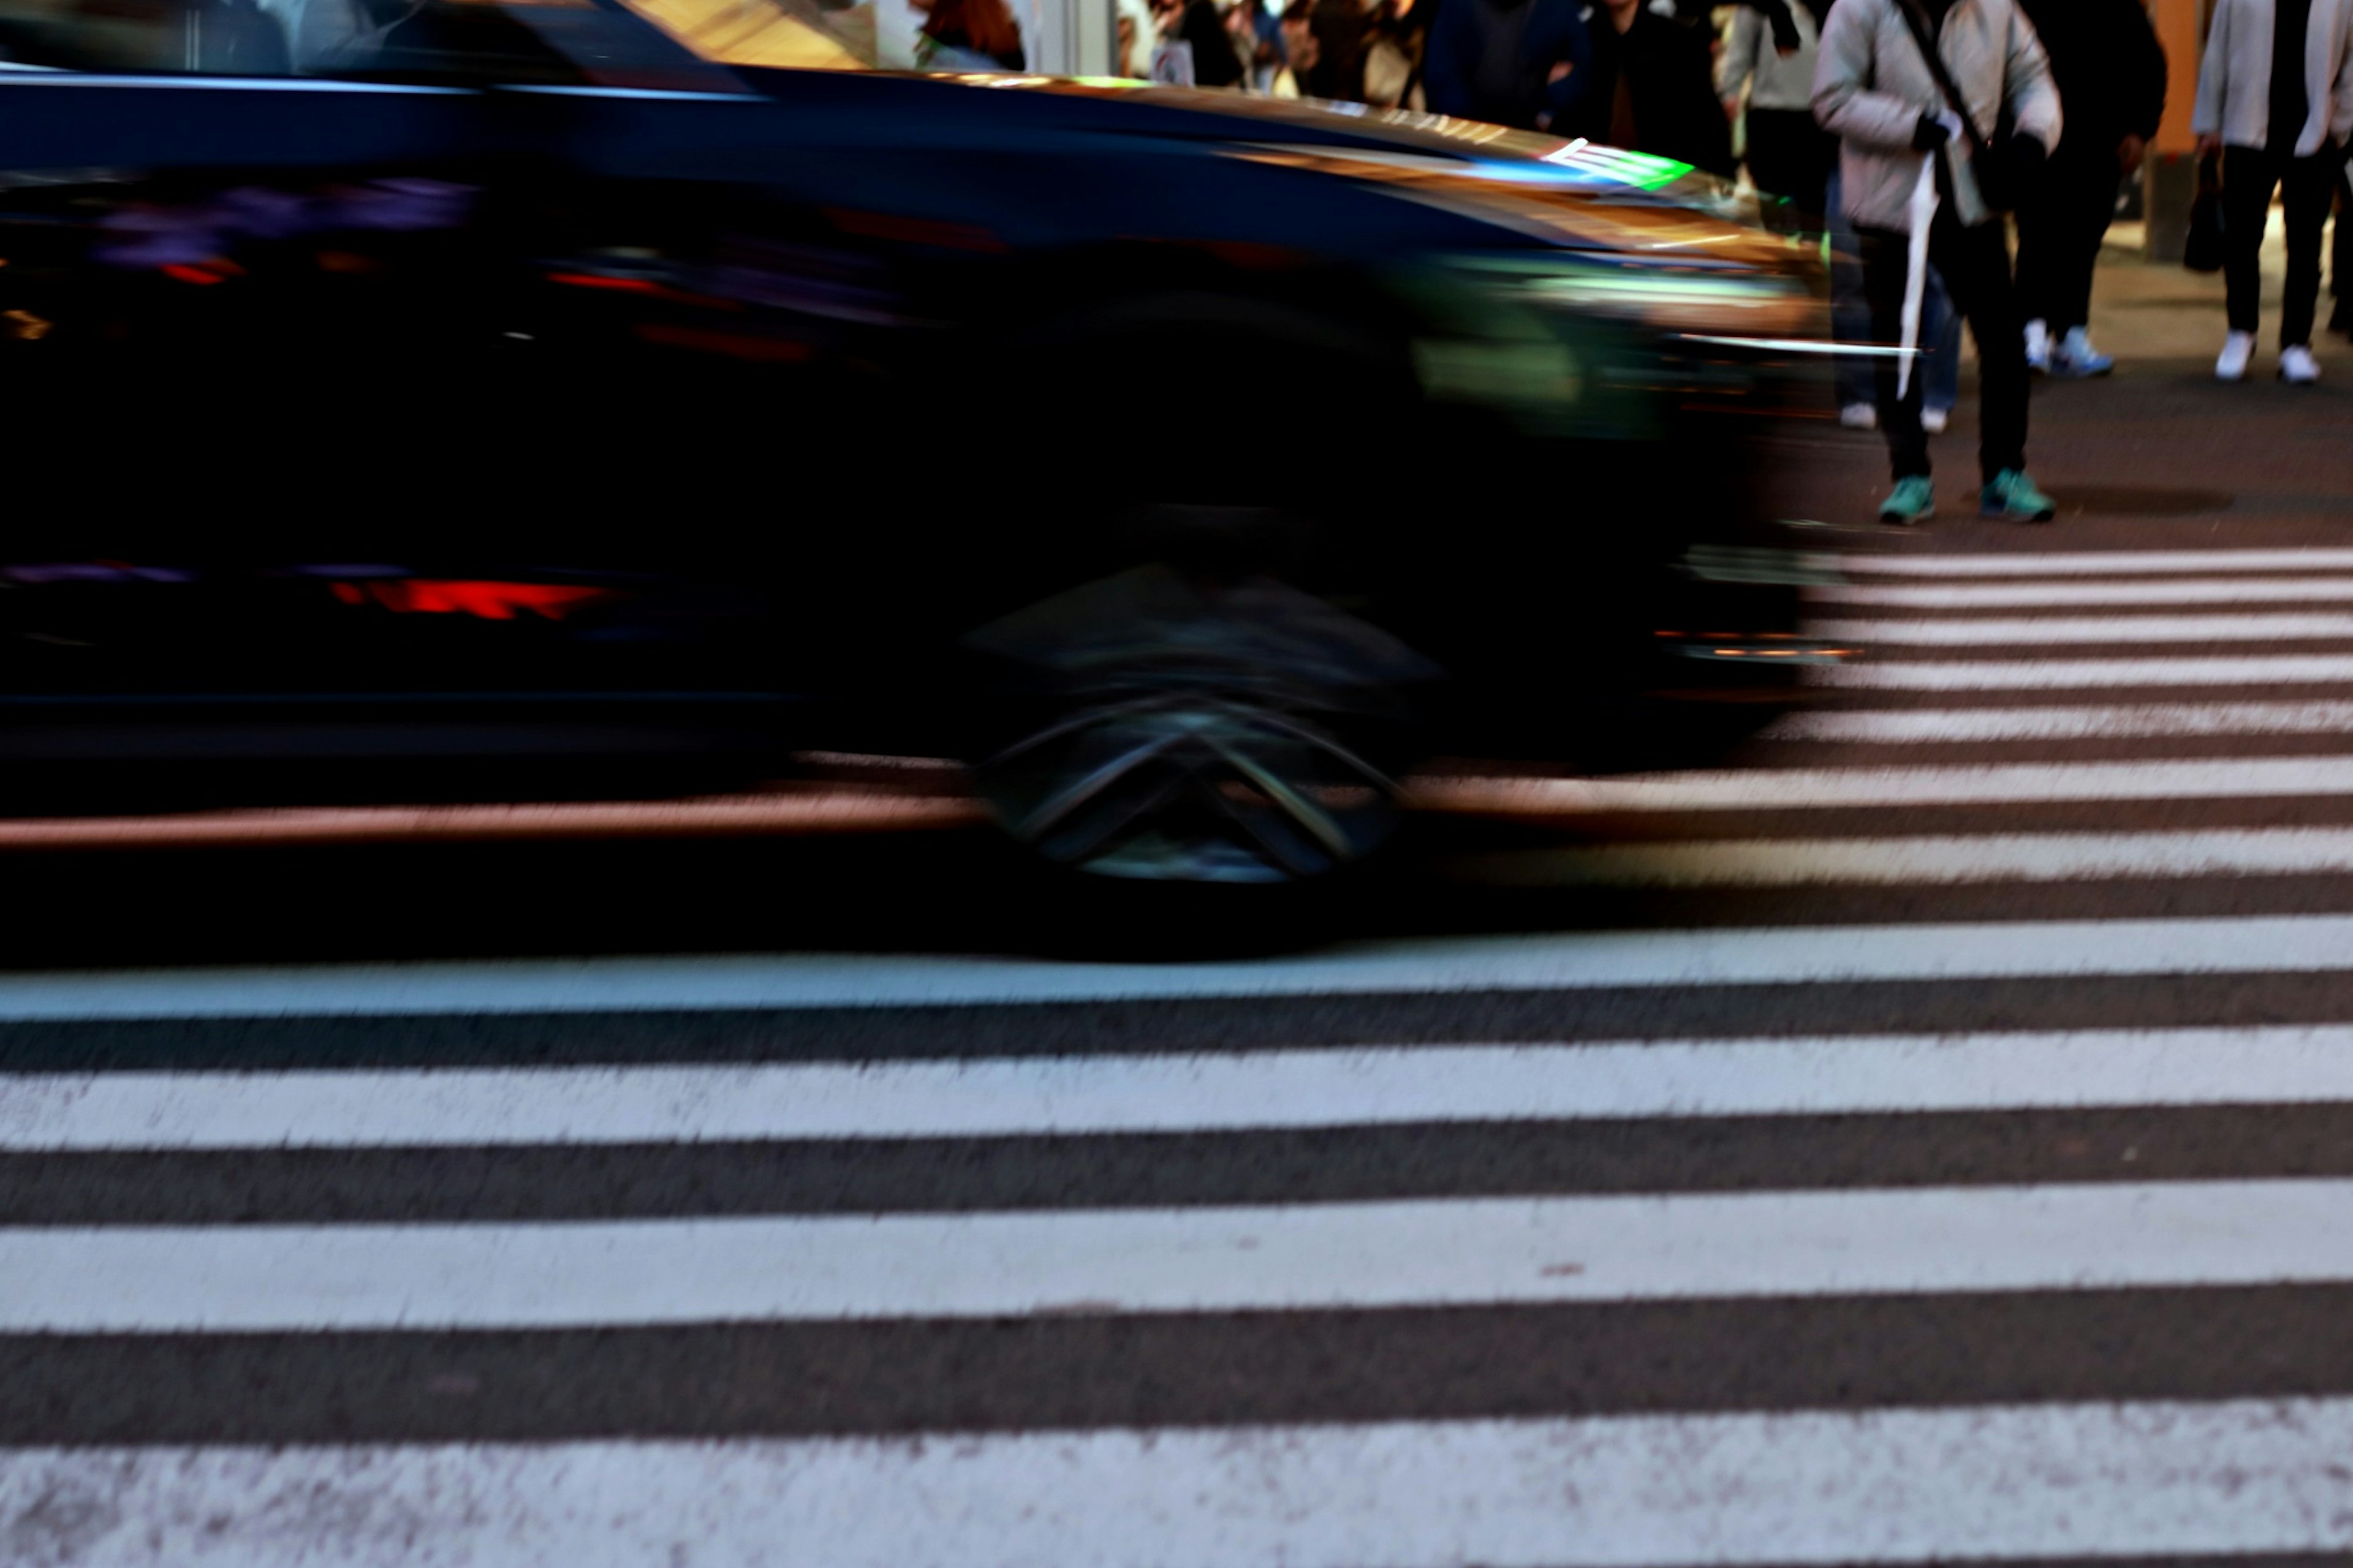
{"type": "Point", "coordinates": [2041, 247]}
{"type": "Point", "coordinates": [2090, 193]}
{"type": "Point", "coordinates": [2306, 186]}
{"type": "Point", "coordinates": [2340, 257]}
{"type": "Point", "coordinates": [1886, 259]}
{"type": "Point", "coordinates": [1940, 354]}
{"type": "Point", "coordinates": [1976, 267]}
{"type": "Point", "coordinates": [2249, 177]}
{"type": "Point", "coordinates": [1849, 307]}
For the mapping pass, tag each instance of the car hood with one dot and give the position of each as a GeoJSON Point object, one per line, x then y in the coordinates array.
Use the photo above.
{"type": "Point", "coordinates": [1557, 192]}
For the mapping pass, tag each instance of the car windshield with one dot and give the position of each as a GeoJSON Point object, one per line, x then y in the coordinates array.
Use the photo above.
{"type": "Point", "coordinates": [455, 41]}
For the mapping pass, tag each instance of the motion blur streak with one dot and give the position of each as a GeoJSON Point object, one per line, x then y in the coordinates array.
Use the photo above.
{"type": "Point", "coordinates": [839, 811]}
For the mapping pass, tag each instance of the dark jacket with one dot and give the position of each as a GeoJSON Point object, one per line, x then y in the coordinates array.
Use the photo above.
{"type": "Point", "coordinates": [1505, 84]}
{"type": "Point", "coordinates": [1215, 61]}
{"type": "Point", "coordinates": [1670, 90]}
{"type": "Point", "coordinates": [2109, 66]}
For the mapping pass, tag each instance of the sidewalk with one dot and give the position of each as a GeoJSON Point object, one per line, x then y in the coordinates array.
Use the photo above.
{"type": "Point", "coordinates": [2159, 453]}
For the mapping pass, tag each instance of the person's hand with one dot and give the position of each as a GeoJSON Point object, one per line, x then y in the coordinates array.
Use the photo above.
{"type": "Point", "coordinates": [2128, 153]}
{"type": "Point", "coordinates": [1929, 134]}
{"type": "Point", "coordinates": [1732, 108]}
{"type": "Point", "coordinates": [2209, 144]}
{"type": "Point", "coordinates": [1559, 73]}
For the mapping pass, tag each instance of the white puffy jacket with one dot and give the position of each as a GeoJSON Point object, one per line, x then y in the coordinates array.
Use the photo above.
{"type": "Point", "coordinates": [2234, 82]}
{"type": "Point", "coordinates": [1872, 85]}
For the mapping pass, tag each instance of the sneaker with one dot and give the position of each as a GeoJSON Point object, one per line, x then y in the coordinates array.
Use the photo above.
{"type": "Point", "coordinates": [1859, 416]}
{"type": "Point", "coordinates": [2238, 353]}
{"type": "Point", "coordinates": [2297, 366]}
{"type": "Point", "coordinates": [2038, 347]}
{"type": "Point", "coordinates": [1913, 501]}
{"type": "Point", "coordinates": [2075, 356]}
{"type": "Point", "coordinates": [1933, 420]}
{"type": "Point", "coordinates": [2013, 495]}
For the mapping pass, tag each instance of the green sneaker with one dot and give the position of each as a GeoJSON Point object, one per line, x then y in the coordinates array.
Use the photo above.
{"type": "Point", "coordinates": [1914, 501]}
{"type": "Point", "coordinates": [2013, 495]}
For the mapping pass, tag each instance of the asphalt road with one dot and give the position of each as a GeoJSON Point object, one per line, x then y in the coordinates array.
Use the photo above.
{"type": "Point", "coordinates": [1932, 1139]}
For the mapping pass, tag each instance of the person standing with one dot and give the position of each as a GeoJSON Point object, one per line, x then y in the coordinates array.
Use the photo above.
{"type": "Point", "coordinates": [2111, 74]}
{"type": "Point", "coordinates": [1520, 63]}
{"type": "Point", "coordinates": [1905, 163]}
{"type": "Point", "coordinates": [2276, 99]}
{"type": "Point", "coordinates": [1653, 88]}
{"type": "Point", "coordinates": [1771, 53]}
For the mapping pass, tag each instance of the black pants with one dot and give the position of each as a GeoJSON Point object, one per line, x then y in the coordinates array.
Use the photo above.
{"type": "Point", "coordinates": [2058, 235]}
{"type": "Point", "coordinates": [2306, 185]}
{"type": "Point", "coordinates": [1790, 156]}
{"type": "Point", "coordinates": [1975, 265]}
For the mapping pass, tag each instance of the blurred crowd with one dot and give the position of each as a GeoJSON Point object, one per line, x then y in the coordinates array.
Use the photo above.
{"type": "Point", "coordinates": [1914, 136]}
{"type": "Point", "coordinates": [1634, 73]}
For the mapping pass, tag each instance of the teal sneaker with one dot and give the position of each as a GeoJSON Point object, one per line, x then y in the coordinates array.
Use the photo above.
{"type": "Point", "coordinates": [1914, 501]}
{"type": "Point", "coordinates": [2013, 495]}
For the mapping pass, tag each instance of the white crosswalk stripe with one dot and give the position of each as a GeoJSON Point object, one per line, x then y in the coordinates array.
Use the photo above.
{"type": "Point", "coordinates": [2042, 630]}
{"type": "Point", "coordinates": [2123, 722]}
{"type": "Point", "coordinates": [1455, 1252]}
{"type": "Point", "coordinates": [2090, 563]}
{"type": "Point", "coordinates": [1758, 789]}
{"type": "Point", "coordinates": [2046, 1481]}
{"type": "Point", "coordinates": [2061, 674]}
{"type": "Point", "coordinates": [1010, 1097]}
{"type": "Point", "coordinates": [2021, 594]}
{"type": "Point", "coordinates": [1941, 861]}
{"type": "Point", "coordinates": [2018, 1144]}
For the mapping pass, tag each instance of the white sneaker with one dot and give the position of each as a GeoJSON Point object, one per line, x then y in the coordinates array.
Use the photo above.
{"type": "Point", "coordinates": [2038, 347]}
{"type": "Point", "coordinates": [2075, 356]}
{"type": "Point", "coordinates": [2237, 350]}
{"type": "Point", "coordinates": [1859, 417]}
{"type": "Point", "coordinates": [1933, 420]}
{"type": "Point", "coordinates": [2296, 365]}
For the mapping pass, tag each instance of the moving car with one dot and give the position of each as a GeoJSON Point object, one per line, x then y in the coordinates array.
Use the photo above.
{"type": "Point", "coordinates": [531, 397]}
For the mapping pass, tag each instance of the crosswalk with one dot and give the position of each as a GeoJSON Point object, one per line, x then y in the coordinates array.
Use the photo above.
{"type": "Point", "coordinates": [1926, 1219]}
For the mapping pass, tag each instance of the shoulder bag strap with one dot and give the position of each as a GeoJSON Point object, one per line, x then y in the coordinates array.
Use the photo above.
{"type": "Point", "coordinates": [1916, 22]}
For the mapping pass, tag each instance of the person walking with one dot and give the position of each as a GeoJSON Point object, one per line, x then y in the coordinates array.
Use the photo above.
{"type": "Point", "coordinates": [1653, 88]}
{"type": "Point", "coordinates": [1520, 63]}
{"type": "Point", "coordinates": [2276, 99]}
{"type": "Point", "coordinates": [1770, 53]}
{"type": "Point", "coordinates": [2111, 74]}
{"type": "Point", "coordinates": [1909, 171]}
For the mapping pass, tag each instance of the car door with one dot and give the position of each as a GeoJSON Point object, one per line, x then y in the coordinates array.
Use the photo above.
{"type": "Point", "coordinates": [300, 435]}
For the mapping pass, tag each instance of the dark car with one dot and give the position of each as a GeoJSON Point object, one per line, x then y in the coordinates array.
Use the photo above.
{"type": "Point", "coordinates": [454, 397]}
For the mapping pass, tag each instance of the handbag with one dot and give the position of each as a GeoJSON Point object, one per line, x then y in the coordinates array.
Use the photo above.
{"type": "Point", "coordinates": [1991, 162]}
{"type": "Point", "coordinates": [2201, 251]}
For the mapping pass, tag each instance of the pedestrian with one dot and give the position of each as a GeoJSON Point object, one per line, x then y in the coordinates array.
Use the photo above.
{"type": "Point", "coordinates": [969, 36]}
{"type": "Point", "coordinates": [1909, 170]}
{"type": "Point", "coordinates": [2340, 258]}
{"type": "Point", "coordinates": [1392, 58]}
{"type": "Point", "coordinates": [1256, 35]}
{"type": "Point", "coordinates": [2111, 74]}
{"type": "Point", "coordinates": [1519, 63]}
{"type": "Point", "coordinates": [2276, 99]}
{"type": "Point", "coordinates": [1769, 50]}
{"type": "Point", "coordinates": [1653, 88]}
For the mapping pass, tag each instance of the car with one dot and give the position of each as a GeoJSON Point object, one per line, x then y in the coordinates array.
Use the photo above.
{"type": "Point", "coordinates": [505, 398]}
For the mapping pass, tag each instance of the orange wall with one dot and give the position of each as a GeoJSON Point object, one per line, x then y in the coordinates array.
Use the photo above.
{"type": "Point", "coordinates": [2181, 28]}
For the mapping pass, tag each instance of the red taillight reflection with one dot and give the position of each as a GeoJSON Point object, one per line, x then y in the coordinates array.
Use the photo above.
{"type": "Point", "coordinates": [485, 601]}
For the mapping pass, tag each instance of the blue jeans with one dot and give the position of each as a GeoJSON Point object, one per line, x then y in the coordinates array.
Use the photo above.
{"type": "Point", "coordinates": [1939, 366]}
